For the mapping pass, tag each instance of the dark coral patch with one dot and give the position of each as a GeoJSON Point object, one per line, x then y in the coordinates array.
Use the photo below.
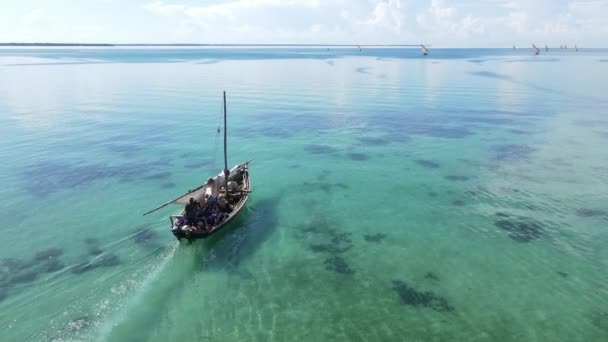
{"type": "Point", "coordinates": [431, 276]}
{"type": "Point", "coordinates": [379, 237]}
{"type": "Point", "coordinates": [320, 149]}
{"type": "Point", "coordinates": [95, 250]}
{"type": "Point", "coordinates": [329, 248]}
{"type": "Point", "coordinates": [105, 260]}
{"type": "Point", "coordinates": [341, 186]}
{"type": "Point", "coordinates": [373, 141]}
{"type": "Point", "coordinates": [82, 267]}
{"type": "Point", "coordinates": [427, 299]}
{"type": "Point", "coordinates": [520, 229]}
{"type": "Point", "coordinates": [126, 149]}
{"type": "Point", "coordinates": [562, 274]}
{"type": "Point", "coordinates": [50, 253]}
{"type": "Point", "coordinates": [24, 277]}
{"type": "Point", "coordinates": [455, 178]}
{"type": "Point", "coordinates": [14, 264]}
{"type": "Point", "coordinates": [159, 175]}
{"type": "Point", "coordinates": [50, 176]}
{"type": "Point", "coordinates": [357, 156]}
{"type": "Point", "coordinates": [512, 153]}
{"type": "Point", "coordinates": [459, 203]}
{"type": "Point", "coordinates": [338, 238]}
{"type": "Point", "coordinates": [427, 164]}
{"type": "Point", "coordinates": [521, 132]}
{"type": "Point", "coordinates": [587, 212]}
{"type": "Point", "coordinates": [338, 265]}
{"type": "Point", "coordinates": [53, 265]}
{"type": "Point", "coordinates": [197, 165]}
{"type": "Point", "coordinates": [91, 241]}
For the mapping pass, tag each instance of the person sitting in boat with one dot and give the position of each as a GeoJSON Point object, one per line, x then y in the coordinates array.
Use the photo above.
{"type": "Point", "coordinates": [210, 191]}
{"type": "Point", "coordinates": [192, 209]}
{"type": "Point", "coordinates": [217, 215]}
{"type": "Point", "coordinates": [213, 216]}
{"type": "Point", "coordinates": [206, 212]}
{"type": "Point", "coordinates": [222, 201]}
{"type": "Point", "coordinates": [233, 193]}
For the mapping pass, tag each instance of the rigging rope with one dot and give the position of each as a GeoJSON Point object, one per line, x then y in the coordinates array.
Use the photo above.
{"type": "Point", "coordinates": [217, 137]}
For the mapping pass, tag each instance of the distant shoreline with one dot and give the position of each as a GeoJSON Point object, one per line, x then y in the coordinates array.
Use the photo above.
{"type": "Point", "coordinates": [203, 45]}
{"type": "Point", "coordinates": [4, 45]}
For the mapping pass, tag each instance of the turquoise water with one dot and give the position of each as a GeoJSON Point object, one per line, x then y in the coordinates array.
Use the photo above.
{"type": "Point", "coordinates": [463, 196]}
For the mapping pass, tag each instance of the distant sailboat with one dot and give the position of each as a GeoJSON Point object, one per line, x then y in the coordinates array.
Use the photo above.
{"type": "Point", "coordinates": [535, 49]}
{"type": "Point", "coordinates": [425, 51]}
{"type": "Point", "coordinates": [566, 47]}
{"type": "Point", "coordinates": [546, 47]}
{"type": "Point", "coordinates": [514, 48]}
{"type": "Point", "coordinates": [575, 48]}
{"type": "Point", "coordinates": [360, 49]}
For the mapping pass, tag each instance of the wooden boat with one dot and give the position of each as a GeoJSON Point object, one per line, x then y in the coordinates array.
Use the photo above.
{"type": "Point", "coordinates": [236, 185]}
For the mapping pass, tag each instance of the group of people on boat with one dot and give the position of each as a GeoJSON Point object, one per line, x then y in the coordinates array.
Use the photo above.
{"type": "Point", "coordinates": [212, 208]}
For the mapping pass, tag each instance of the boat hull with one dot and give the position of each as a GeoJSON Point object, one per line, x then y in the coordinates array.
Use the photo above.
{"type": "Point", "coordinates": [182, 231]}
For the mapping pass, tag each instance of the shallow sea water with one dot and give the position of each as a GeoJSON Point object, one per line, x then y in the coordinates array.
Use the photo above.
{"type": "Point", "coordinates": [463, 196]}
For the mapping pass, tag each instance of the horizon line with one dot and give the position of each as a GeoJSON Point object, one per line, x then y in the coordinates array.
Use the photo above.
{"type": "Point", "coordinates": [52, 44]}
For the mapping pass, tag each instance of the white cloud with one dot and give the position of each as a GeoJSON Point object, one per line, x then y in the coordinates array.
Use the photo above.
{"type": "Point", "coordinates": [165, 9]}
{"type": "Point", "coordinates": [227, 8]}
{"type": "Point", "coordinates": [437, 22]}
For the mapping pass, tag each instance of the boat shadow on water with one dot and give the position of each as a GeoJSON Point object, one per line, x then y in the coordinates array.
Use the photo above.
{"type": "Point", "coordinates": [241, 238]}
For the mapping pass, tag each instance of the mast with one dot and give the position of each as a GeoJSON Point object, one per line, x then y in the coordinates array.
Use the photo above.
{"type": "Point", "coordinates": [226, 171]}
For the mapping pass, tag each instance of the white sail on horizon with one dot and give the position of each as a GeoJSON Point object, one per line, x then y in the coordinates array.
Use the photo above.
{"type": "Point", "coordinates": [535, 49]}
{"type": "Point", "coordinates": [424, 49]}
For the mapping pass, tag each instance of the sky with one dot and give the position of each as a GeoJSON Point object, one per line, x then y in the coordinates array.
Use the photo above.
{"type": "Point", "coordinates": [440, 23]}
